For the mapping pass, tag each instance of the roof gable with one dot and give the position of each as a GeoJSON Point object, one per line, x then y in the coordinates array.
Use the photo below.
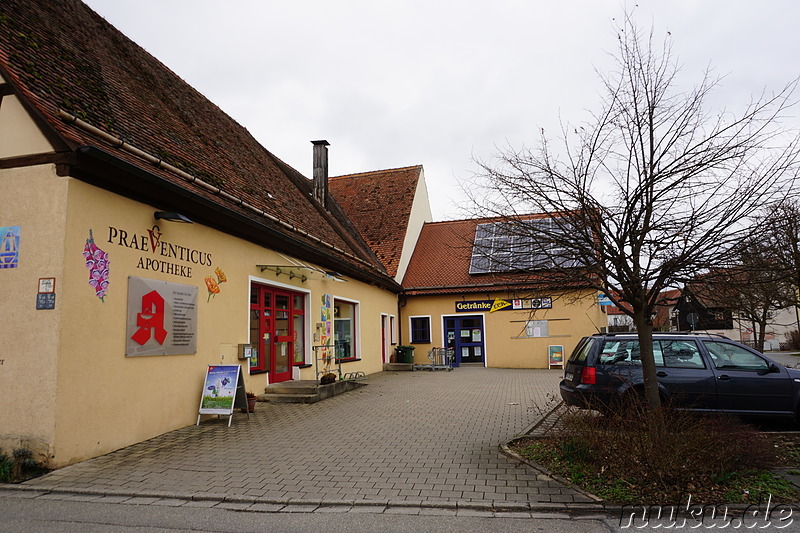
{"type": "Point", "coordinates": [379, 203]}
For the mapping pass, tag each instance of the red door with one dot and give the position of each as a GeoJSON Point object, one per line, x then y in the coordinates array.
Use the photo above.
{"type": "Point", "coordinates": [283, 340]}
{"type": "Point", "coordinates": [276, 329]}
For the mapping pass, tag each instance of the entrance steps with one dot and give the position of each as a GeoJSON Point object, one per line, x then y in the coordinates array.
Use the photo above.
{"type": "Point", "coordinates": [395, 367]}
{"type": "Point", "coordinates": [305, 391]}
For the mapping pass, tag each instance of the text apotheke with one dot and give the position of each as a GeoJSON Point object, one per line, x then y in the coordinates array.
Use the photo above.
{"type": "Point", "coordinates": [151, 241]}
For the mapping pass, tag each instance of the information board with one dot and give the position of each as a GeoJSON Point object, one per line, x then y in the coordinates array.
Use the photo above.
{"type": "Point", "coordinates": [555, 356]}
{"type": "Point", "coordinates": [223, 392]}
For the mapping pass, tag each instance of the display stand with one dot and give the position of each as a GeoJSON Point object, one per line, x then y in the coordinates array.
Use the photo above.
{"type": "Point", "coordinates": [555, 356]}
{"type": "Point", "coordinates": [223, 392]}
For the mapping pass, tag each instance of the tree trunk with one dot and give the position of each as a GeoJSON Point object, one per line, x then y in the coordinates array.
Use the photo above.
{"type": "Point", "coordinates": [644, 327]}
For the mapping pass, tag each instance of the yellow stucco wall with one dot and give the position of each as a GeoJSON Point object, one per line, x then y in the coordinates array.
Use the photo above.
{"type": "Point", "coordinates": [89, 397]}
{"type": "Point", "coordinates": [506, 343]}
{"type": "Point", "coordinates": [33, 199]}
{"type": "Point", "coordinates": [19, 135]}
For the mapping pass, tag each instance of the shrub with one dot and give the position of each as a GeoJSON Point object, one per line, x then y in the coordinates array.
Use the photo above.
{"type": "Point", "coordinates": [793, 339]}
{"type": "Point", "coordinates": [5, 469]}
{"type": "Point", "coordinates": [659, 455]}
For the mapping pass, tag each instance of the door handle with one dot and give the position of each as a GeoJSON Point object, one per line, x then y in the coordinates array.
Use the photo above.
{"type": "Point", "coordinates": [661, 374]}
{"type": "Point", "coordinates": [724, 377]}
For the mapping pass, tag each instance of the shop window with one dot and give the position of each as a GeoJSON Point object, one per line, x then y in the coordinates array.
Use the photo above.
{"type": "Point", "coordinates": [420, 329]}
{"type": "Point", "coordinates": [344, 329]}
{"type": "Point", "coordinates": [299, 331]}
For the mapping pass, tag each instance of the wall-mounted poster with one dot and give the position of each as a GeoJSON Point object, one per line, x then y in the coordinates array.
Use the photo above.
{"type": "Point", "coordinates": [555, 356]}
{"type": "Point", "coordinates": [162, 318]}
{"type": "Point", "coordinates": [9, 246]}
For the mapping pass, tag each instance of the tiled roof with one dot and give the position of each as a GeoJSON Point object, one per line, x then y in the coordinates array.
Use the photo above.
{"type": "Point", "coordinates": [379, 204]}
{"type": "Point", "coordinates": [441, 260]}
{"type": "Point", "coordinates": [63, 56]}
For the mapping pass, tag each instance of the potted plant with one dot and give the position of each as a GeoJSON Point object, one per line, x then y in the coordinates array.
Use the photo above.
{"type": "Point", "coordinates": [251, 402]}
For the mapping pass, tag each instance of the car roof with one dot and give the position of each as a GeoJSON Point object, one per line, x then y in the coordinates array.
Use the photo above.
{"type": "Point", "coordinates": [677, 334]}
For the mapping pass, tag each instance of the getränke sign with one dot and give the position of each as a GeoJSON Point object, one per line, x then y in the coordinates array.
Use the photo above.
{"type": "Point", "coordinates": [515, 304]}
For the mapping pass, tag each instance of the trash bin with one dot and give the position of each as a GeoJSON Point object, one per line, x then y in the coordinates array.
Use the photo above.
{"type": "Point", "coordinates": [405, 354]}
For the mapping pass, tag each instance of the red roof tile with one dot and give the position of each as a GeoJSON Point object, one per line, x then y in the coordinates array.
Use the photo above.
{"type": "Point", "coordinates": [379, 204]}
{"type": "Point", "coordinates": [63, 56]}
{"type": "Point", "coordinates": [441, 262]}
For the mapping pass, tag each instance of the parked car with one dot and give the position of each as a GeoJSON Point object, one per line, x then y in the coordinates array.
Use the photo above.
{"type": "Point", "coordinates": [700, 372]}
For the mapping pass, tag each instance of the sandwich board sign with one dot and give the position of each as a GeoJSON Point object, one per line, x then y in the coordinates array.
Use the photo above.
{"type": "Point", "coordinates": [223, 391]}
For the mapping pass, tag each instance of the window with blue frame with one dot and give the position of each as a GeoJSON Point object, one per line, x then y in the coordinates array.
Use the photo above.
{"type": "Point", "coordinates": [420, 329]}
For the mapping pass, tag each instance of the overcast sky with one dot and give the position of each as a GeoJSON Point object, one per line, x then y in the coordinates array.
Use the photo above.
{"type": "Point", "coordinates": [401, 83]}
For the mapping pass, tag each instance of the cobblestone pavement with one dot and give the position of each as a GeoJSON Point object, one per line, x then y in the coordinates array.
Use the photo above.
{"type": "Point", "coordinates": [405, 440]}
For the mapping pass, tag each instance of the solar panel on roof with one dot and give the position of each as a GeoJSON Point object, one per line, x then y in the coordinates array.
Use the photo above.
{"type": "Point", "coordinates": [519, 245]}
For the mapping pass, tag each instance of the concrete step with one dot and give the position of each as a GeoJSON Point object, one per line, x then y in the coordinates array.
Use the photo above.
{"type": "Point", "coordinates": [280, 388]}
{"type": "Point", "coordinates": [398, 367]}
{"type": "Point", "coordinates": [305, 391]}
{"type": "Point", "coordinates": [289, 398]}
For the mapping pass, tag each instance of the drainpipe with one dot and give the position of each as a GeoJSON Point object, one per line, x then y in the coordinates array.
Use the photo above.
{"type": "Point", "coordinates": [321, 172]}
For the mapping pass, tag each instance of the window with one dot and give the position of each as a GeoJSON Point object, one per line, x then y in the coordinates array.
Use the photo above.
{"type": "Point", "coordinates": [671, 354]}
{"type": "Point", "coordinates": [420, 329]}
{"type": "Point", "coordinates": [392, 329]}
{"type": "Point", "coordinates": [299, 329]}
{"type": "Point", "coordinates": [344, 329]}
{"type": "Point", "coordinates": [582, 351]}
{"type": "Point", "coordinates": [731, 357]}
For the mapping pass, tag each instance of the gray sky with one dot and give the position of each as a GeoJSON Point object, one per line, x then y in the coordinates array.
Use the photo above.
{"type": "Point", "coordinates": [394, 84]}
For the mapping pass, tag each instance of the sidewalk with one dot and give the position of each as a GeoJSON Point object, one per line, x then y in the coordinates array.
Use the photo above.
{"type": "Point", "coordinates": [412, 441]}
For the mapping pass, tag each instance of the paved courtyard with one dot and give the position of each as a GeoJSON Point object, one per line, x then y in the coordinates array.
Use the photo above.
{"type": "Point", "coordinates": [404, 438]}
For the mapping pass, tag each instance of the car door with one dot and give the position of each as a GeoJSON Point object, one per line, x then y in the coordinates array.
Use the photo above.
{"type": "Point", "coordinates": [683, 372]}
{"type": "Point", "coordinates": [747, 382]}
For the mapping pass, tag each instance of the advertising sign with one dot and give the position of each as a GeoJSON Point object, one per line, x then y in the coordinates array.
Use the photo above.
{"type": "Point", "coordinates": [555, 355]}
{"type": "Point", "coordinates": [223, 391]}
{"type": "Point", "coordinates": [219, 389]}
{"type": "Point", "coordinates": [162, 318]}
{"type": "Point", "coordinates": [472, 306]}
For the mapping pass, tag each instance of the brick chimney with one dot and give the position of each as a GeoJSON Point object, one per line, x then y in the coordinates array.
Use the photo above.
{"type": "Point", "coordinates": [321, 172]}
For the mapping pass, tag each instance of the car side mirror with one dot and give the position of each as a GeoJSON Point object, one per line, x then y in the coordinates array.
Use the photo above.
{"type": "Point", "coordinates": [773, 368]}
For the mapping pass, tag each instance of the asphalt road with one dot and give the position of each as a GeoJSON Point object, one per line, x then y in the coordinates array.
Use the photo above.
{"type": "Point", "coordinates": [42, 516]}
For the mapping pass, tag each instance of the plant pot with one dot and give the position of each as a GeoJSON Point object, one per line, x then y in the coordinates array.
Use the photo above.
{"type": "Point", "coordinates": [251, 405]}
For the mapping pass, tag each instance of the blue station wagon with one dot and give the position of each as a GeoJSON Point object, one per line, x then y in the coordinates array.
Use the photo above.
{"type": "Point", "coordinates": [695, 371]}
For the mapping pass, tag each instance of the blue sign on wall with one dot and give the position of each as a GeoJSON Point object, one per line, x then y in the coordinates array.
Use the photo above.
{"type": "Point", "coordinates": [9, 247]}
{"type": "Point", "coordinates": [602, 299]}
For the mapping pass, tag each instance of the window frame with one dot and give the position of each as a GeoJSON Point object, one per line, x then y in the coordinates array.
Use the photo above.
{"type": "Point", "coordinates": [412, 330]}
{"type": "Point", "coordinates": [355, 341]}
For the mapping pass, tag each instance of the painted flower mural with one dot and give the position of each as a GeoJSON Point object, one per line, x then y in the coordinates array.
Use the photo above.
{"type": "Point", "coordinates": [213, 284]}
{"type": "Point", "coordinates": [97, 263]}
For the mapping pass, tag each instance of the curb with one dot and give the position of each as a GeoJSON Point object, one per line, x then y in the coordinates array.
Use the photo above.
{"type": "Point", "coordinates": [500, 508]}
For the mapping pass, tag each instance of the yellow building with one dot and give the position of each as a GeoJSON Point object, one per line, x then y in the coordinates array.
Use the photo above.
{"type": "Point", "coordinates": [145, 236]}
{"type": "Point", "coordinates": [495, 317]}
{"type": "Point", "coordinates": [113, 305]}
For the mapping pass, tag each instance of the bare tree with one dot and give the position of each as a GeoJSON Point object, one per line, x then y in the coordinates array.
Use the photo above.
{"type": "Point", "coordinates": [754, 290]}
{"type": "Point", "coordinates": [649, 192]}
{"type": "Point", "coordinates": [782, 225]}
